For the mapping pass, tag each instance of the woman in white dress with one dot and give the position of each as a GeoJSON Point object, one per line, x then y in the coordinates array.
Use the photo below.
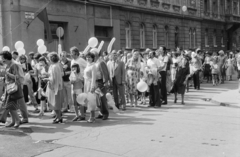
{"type": "Point", "coordinates": [90, 82]}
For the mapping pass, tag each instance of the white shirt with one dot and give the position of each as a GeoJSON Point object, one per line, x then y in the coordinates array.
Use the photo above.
{"type": "Point", "coordinates": [153, 63]}
{"type": "Point", "coordinates": [82, 64]}
{"type": "Point", "coordinates": [163, 60]}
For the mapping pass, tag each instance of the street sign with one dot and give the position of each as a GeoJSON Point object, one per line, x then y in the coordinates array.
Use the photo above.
{"type": "Point", "coordinates": [29, 15]}
{"type": "Point", "coordinates": [60, 32]}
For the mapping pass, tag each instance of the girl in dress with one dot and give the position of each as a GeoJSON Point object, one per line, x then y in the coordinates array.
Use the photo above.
{"type": "Point", "coordinates": [230, 66]}
{"type": "Point", "coordinates": [214, 68]}
{"type": "Point", "coordinates": [43, 84]}
{"type": "Point", "coordinates": [77, 85]}
{"type": "Point", "coordinates": [90, 81]}
{"type": "Point", "coordinates": [207, 67]}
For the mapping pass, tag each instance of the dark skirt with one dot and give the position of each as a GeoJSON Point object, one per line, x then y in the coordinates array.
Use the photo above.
{"type": "Point", "coordinates": [207, 70]}
{"type": "Point", "coordinates": [180, 89]}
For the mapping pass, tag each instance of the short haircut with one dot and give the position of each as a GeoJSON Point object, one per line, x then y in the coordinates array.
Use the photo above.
{"type": "Point", "coordinates": [53, 57]}
{"type": "Point", "coordinates": [22, 57]}
{"type": "Point", "coordinates": [105, 52]}
{"type": "Point", "coordinates": [15, 53]}
{"type": "Point", "coordinates": [75, 65]}
{"type": "Point", "coordinates": [43, 59]}
{"type": "Point", "coordinates": [6, 55]}
{"type": "Point", "coordinates": [91, 55]}
{"type": "Point", "coordinates": [37, 56]}
{"type": "Point", "coordinates": [75, 50]}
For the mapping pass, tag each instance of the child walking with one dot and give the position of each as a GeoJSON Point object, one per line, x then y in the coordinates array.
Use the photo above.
{"type": "Point", "coordinates": [77, 84]}
{"type": "Point", "coordinates": [214, 68]}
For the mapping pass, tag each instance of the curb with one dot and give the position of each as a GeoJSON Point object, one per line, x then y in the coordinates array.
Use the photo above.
{"type": "Point", "coordinates": [223, 104]}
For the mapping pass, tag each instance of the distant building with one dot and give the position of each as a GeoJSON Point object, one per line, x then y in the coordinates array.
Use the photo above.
{"type": "Point", "coordinates": [209, 24]}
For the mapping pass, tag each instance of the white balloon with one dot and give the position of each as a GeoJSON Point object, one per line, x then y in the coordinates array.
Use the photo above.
{"type": "Point", "coordinates": [19, 44]}
{"type": "Point", "coordinates": [40, 42]}
{"type": "Point", "coordinates": [93, 42]}
{"type": "Point", "coordinates": [42, 49]}
{"type": "Point", "coordinates": [5, 48]}
{"type": "Point", "coordinates": [184, 8]}
{"type": "Point", "coordinates": [81, 98]}
{"type": "Point", "coordinates": [142, 86]}
{"type": "Point", "coordinates": [21, 51]}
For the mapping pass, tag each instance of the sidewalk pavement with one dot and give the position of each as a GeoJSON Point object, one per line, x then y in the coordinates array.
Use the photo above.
{"type": "Point", "coordinates": [230, 98]}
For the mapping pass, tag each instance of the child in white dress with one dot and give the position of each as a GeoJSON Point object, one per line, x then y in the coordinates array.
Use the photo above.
{"type": "Point", "coordinates": [76, 80]}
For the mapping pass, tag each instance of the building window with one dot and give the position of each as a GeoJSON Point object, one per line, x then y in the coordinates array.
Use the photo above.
{"type": "Point", "coordinates": [215, 6]}
{"type": "Point", "coordinates": [142, 36]}
{"type": "Point", "coordinates": [206, 5]}
{"type": "Point", "coordinates": [176, 2]}
{"type": "Point", "coordinates": [194, 38]}
{"type": "Point", "coordinates": [192, 3]}
{"type": "Point", "coordinates": [176, 37]}
{"type": "Point", "coordinates": [222, 38]}
{"type": "Point", "coordinates": [103, 32]}
{"type": "Point", "coordinates": [154, 36]}
{"type": "Point", "coordinates": [53, 27]}
{"type": "Point", "coordinates": [190, 38]}
{"type": "Point", "coordinates": [206, 37]}
{"type": "Point", "coordinates": [229, 8]}
{"type": "Point", "coordinates": [128, 35]}
{"type": "Point", "coordinates": [215, 38]}
{"type": "Point", "coordinates": [166, 36]}
{"type": "Point", "coordinates": [222, 7]}
{"type": "Point", "coordinates": [235, 7]}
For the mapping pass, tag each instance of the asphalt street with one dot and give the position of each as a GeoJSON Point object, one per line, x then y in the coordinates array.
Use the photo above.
{"type": "Point", "coordinates": [203, 127]}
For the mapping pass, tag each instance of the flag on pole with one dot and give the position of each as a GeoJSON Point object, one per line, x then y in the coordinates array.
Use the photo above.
{"type": "Point", "coordinates": [43, 16]}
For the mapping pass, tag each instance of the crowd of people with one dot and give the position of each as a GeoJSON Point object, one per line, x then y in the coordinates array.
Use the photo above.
{"type": "Point", "coordinates": [51, 82]}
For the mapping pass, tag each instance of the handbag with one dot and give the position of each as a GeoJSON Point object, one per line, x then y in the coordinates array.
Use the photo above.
{"type": "Point", "coordinates": [12, 87]}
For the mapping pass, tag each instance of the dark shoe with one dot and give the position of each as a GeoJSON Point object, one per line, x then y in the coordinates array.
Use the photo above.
{"type": "Point", "coordinates": [164, 103]}
{"type": "Point", "coordinates": [23, 121]}
{"type": "Point", "coordinates": [175, 101]}
{"type": "Point", "coordinates": [150, 106]}
{"type": "Point", "coordinates": [124, 109]}
{"type": "Point", "coordinates": [16, 125]}
{"type": "Point", "coordinates": [1, 121]}
{"type": "Point", "coordinates": [105, 118]}
{"type": "Point", "coordinates": [58, 121]}
{"type": "Point", "coordinates": [99, 116]}
{"type": "Point", "coordinates": [183, 103]}
{"type": "Point", "coordinates": [157, 106]}
{"type": "Point", "coordinates": [36, 110]}
{"type": "Point", "coordinates": [81, 118]}
{"type": "Point", "coordinates": [65, 111]}
{"type": "Point", "coordinates": [75, 119]}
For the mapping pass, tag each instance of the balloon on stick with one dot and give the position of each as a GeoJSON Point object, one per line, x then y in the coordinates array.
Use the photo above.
{"type": "Point", "coordinates": [42, 49]}
{"type": "Point", "coordinates": [100, 46]}
{"type": "Point", "coordinates": [92, 42]}
{"type": "Point", "coordinates": [40, 42]}
{"type": "Point", "coordinates": [21, 51]}
{"type": "Point", "coordinates": [142, 86]}
{"type": "Point", "coordinates": [109, 49]}
{"type": "Point", "coordinates": [19, 44]}
{"type": "Point", "coordinates": [5, 48]}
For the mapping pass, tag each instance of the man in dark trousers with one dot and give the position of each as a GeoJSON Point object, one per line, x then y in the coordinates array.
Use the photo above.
{"type": "Point", "coordinates": [117, 74]}
{"type": "Point", "coordinates": [102, 79]}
